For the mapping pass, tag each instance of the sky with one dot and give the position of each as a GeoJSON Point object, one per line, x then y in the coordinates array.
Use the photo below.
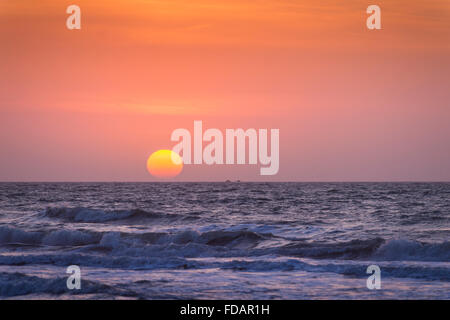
{"type": "Point", "coordinates": [351, 104]}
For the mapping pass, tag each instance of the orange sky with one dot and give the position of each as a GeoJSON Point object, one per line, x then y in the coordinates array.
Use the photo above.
{"type": "Point", "coordinates": [351, 104]}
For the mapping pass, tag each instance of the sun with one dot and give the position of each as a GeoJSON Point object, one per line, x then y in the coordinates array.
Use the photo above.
{"type": "Point", "coordinates": [164, 164]}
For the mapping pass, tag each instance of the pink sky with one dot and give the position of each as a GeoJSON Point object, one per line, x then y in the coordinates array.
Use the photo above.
{"type": "Point", "coordinates": [351, 104]}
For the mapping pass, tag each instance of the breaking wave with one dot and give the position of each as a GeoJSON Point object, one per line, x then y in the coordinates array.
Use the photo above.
{"type": "Point", "coordinates": [225, 243]}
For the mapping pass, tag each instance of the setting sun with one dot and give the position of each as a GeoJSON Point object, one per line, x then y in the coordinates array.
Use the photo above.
{"type": "Point", "coordinates": [164, 164]}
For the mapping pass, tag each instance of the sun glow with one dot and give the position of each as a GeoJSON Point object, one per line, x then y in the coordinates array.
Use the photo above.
{"type": "Point", "coordinates": [164, 164]}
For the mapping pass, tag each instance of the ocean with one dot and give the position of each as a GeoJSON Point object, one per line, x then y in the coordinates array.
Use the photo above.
{"type": "Point", "coordinates": [225, 240]}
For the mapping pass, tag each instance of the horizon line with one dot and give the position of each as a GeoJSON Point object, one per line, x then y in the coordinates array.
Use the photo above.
{"type": "Point", "coordinates": [240, 181]}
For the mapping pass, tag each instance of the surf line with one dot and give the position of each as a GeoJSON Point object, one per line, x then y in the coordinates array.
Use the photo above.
{"type": "Point", "coordinates": [213, 153]}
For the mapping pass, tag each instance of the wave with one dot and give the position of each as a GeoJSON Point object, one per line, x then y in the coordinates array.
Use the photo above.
{"type": "Point", "coordinates": [95, 215]}
{"type": "Point", "coordinates": [355, 249]}
{"type": "Point", "coordinates": [262, 264]}
{"type": "Point", "coordinates": [348, 269]}
{"type": "Point", "coordinates": [225, 243]}
{"type": "Point", "coordinates": [63, 237]}
{"type": "Point", "coordinates": [114, 240]}
{"type": "Point", "coordinates": [10, 235]}
{"type": "Point", "coordinates": [220, 249]}
{"type": "Point", "coordinates": [407, 250]}
{"type": "Point", "coordinates": [373, 249]}
{"type": "Point", "coordinates": [131, 262]}
{"type": "Point", "coordinates": [19, 284]}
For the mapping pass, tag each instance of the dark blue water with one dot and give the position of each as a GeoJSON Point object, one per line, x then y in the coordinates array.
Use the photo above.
{"type": "Point", "coordinates": [225, 240]}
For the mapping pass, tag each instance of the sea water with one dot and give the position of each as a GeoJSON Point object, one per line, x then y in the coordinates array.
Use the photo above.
{"type": "Point", "coordinates": [225, 240]}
